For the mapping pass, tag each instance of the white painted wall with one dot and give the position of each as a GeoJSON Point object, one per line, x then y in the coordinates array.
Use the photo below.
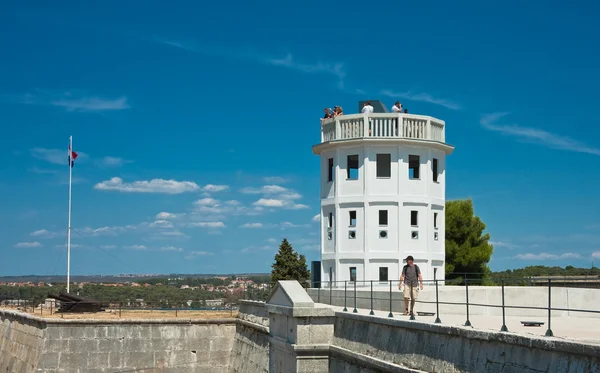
{"type": "Point", "coordinates": [398, 194]}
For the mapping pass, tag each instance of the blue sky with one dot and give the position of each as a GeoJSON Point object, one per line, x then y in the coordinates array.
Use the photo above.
{"type": "Point", "coordinates": [194, 123]}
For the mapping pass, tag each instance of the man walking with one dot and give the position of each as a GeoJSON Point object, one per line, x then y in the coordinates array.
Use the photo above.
{"type": "Point", "coordinates": [410, 277]}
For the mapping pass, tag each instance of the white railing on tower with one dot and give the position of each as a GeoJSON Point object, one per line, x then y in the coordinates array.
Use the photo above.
{"type": "Point", "coordinates": [387, 125]}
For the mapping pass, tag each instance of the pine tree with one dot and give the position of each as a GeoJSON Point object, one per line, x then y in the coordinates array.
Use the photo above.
{"type": "Point", "coordinates": [289, 265]}
{"type": "Point", "coordinates": [467, 248]}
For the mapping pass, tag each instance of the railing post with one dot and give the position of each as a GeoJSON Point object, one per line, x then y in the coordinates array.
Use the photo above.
{"type": "Point", "coordinates": [390, 314]}
{"type": "Point", "coordinates": [330, 299]}
{"type": "Point", "coordinates": [371, 313]}
{"type": "Point", "coordinates": [366, 125]}
{"type": "Point", "coordinates": [467, 323]}
{"type": "Point", "coordinates": [319, 293]}
{"type": "Point", "coordinates": [345, 288]}
{"type": "Point", "coordinates": [355, 310]}
{"type": "Point", "coordinates": [503, 328]}
{"type": "Point", "coordinates": [549, 331]}
{"type": "Point", "coordinates": [338, 129]}
{"type": "Point", "coordinates": [437, 304]}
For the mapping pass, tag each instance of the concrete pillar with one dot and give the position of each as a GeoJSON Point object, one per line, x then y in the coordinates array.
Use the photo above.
{"type": "Point", "coordinates": [300, 331]}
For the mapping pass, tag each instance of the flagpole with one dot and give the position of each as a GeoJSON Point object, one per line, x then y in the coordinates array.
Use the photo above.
{"type": "Point", "coordinates": [69, 223]}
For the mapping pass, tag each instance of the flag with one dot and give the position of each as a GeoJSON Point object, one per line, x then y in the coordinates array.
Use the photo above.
{"type": "Point", "coordinates": [72, 156]}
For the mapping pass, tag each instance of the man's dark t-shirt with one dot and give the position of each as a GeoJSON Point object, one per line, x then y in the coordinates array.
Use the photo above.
{"type": "Point", "coordinates": [411, 275]}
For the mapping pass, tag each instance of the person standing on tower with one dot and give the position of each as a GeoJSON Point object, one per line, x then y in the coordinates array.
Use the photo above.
{"type": "Point", "coordinates": [397, 108]}
{"type": "Point", "coordinates": [367, 108]}
{"type": "Point", "coordinates": [410, 277]}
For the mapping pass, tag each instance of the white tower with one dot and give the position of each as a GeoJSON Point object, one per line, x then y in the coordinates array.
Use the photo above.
{"type": "Point", "coordinates": [383, 187]}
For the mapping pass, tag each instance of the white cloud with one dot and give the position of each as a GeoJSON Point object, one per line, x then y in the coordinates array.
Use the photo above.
{"type": "Point", "coordinates": [172, 233]}
{"type": "Point", "coordinates": [171, 248]}
{"type": "Point", "coordinates": [208, 224]}
{"type": "Point", "coordinates": [547, 256]}
{"type": "Point", "coordinates": [249, 54]}
{"type": "Point", "coordinates": [137, 247]}
{"type": "Point", "coordinates": [214, 188]}
{"type": "Point", "coordinates": [266, 189]}
{"type": "Point", "coordinates": [165, 215]}
{"type": "Point", "coordinates": [164, 224]}
{"type": "Point", "coordinates": [299, 206]}
{"type": "Point", "coordinates": [152, 186]}
{"type": "Point", "coordinates": [43, 233]}
{"type": "Point", "coordinates": [71, 101]}
{"type": "Point", "coordinates": [422, 97]}
{"type": "Point", "coordinates": [535, 135]}
{"type": "Point", "coordinates": [54, 156]}
{"type": "Point", "coordinates": [270, 202]}
{"type": "Point", "coordinates": [271, 240]}
{"type": "Point", "coordinates": [275, 180]}
{"type": "Point", "coordinates": [108, 247]}
{"type": "Point", "coordinates": [194, 254]}
{"type": "Point", "coordinates": [252, 225]}
{"type": "Point", "coordinates": [317, 217]}
{"type": "Point", "coordinates": [287, 224]}
{"type": "Point", "coordinates": [596, 254]}
{"type": "Point", "coordinates": [206, 202]}
{"type": "Point", "coordinates": [258, 248]}
{"type": "Point", "coordinates": [28, 244]}
{"type": "Point", "coordinates": [502, 244]}
{"type": "Point", "coordinates": [112, 162]}
{"type": "Point", "coordinates": [92, 104]}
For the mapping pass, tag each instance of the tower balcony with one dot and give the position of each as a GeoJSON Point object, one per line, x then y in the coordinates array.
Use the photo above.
{"type": "Point", "coordinates": [382, 126]}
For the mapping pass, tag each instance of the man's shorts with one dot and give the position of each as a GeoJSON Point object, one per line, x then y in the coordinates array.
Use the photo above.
{"type": "Point", "coordinates": [415, 290]}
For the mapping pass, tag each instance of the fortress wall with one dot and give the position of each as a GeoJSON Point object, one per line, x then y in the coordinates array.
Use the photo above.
{"type": "Point", "coordinates": [21, 340]}
{"type": "Point", "coordinates": [373, 343]}
{"type": "Point", "coordinates": [103, 346]}
{"type": "Point", "coordinates": [251, 345]}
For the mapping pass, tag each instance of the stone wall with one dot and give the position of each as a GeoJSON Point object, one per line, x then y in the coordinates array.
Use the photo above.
{"type": "Point", "coordinates": [21, 340]}
{"type": "Point", "coordinates": [374, 342]}
{"type": "Point", "coordinates": [104, 346]}
{"type": "Point", "coordinates": [529, 296]}
{"type": "Point", "coordinates": [251, 345]}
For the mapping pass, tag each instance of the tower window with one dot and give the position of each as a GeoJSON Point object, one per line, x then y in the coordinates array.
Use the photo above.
{"type": "Point", "coordinates": [435, 220]}
{"type": "Point", "coordinates": [383, 217]}
{"type": "Point", "coordinates": [384, 165]}
{"type": "Point", "coordinates": [414, 218]}
{"type": "Point", "coordinates": [413, 166]}
{"type": "Point", "coordinates": [330, 169]}
{"type": "Point", "coordinates": [352, 273]}
{"type": "Point", "coordinates": [383, 274]}
{"type": "Point", "coordinates": [434, 165]}
{"type": "Point", "coordinates": [353, 218]}
{"type": "Point", "coordinates": [352, 169]}
{"type": "Point", "coordinates": [330, 220]}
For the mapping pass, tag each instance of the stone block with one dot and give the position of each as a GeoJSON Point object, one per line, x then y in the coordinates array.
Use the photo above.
{"type": "Point", "coordinates": [49, 360]}
{"type": "Point", "coordinates": [72, 360]}
{"type": "Point", "coordinates": [99, 360]}
{"type": "Point", "coordinates": [138, 360]}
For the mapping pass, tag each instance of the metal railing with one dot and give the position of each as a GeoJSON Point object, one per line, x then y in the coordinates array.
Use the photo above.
{"type": "Point", "coordinates": [353, 293]}
{"type": "Point", "coordinates": [350, 289]}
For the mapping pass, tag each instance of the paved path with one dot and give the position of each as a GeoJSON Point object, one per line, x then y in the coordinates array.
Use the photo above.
{"type": "Point", "coordinates": [585, 330]}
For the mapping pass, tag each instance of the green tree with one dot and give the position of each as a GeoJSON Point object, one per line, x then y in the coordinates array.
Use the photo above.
{"type": "Point", "coordinates": [289, 265]}
{"type": "Point", "coordinates": [467, 247]}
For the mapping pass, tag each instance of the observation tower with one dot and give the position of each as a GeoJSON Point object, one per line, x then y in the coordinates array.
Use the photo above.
{"type": "Point", "coordinates": [383, 194]}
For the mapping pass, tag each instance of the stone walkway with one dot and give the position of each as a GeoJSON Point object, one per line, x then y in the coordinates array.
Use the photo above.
{"type": "Point", "coordinates": [586, 330]}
